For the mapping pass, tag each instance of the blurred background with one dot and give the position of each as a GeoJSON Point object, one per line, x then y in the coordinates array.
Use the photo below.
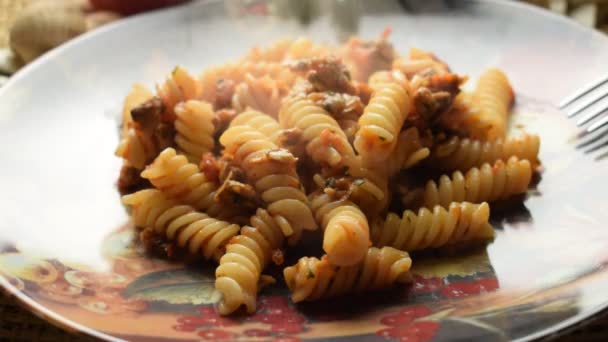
{"type": "Point", "coordinates": [29, 28]}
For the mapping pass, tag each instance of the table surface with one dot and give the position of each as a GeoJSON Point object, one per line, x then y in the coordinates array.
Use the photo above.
{"type": "Point", "coordinates": [18, 324]}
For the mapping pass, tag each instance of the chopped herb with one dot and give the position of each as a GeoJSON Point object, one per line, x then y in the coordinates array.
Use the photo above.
{"type": "Point", "coordinates": [174, 70]}
{"type": "Point", "coordinates": [330, 182]}
{"type": "Point", "coordinates": [310, 274]}
{"type": "Point", "coordinates": [382, 138]}
{"type": "Point", "coordinates": [345, 169]}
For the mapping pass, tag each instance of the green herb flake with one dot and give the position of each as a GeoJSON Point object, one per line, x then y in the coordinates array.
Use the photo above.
{"type": "Point", "coordinates": [382, 138]}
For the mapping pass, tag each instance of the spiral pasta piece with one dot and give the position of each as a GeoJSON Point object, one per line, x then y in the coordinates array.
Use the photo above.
{"type": "Point", "coordinates": [194, 126]}
{"type": "Point", "coordinates": [371, 192]}
{"type": "Point", "coordinates": [143, 134]}
{"type": "Point", "coordinates": [188, 228]}
{"type": "Point", "coordinates": [138, 95]}
{"type": "Point", "coordinates": [312, 279]}
{"type": "Point", "coordinates": [463, 154]}
{"type": "Point", "coordinates": [261, 94]}
{"type": "Point", "coordinates": [409, 152]}
{"type": "Point", "coordinates": [494, 96]}
{"type": "Point", "coordinates": [381, 122]}
{"type": "Point", "coordinates": [419, 62]}
{"type": "Point", "coordinates": [177, 178]}
{"type": "Point", "coordinates": [433, 229]}
{"type": "Point", "coordinates": [346, 231]}
{"type": "Point", "coordinates": [264, 123]}
{"type": "Point", "coordinates": [236, 72]}
{"type": "Point", "coordinates": [272, 172]}
{"type": "Point", "coordinates": [135, 149]}
{"type": "Point", "coordinates": [325, 141]}
{"type": "Point", "coordinates": [178, 87]}
{"type": "Point", "coordinates": [484, 184]}
{"type": "Point", "coordinates": [246, 255]}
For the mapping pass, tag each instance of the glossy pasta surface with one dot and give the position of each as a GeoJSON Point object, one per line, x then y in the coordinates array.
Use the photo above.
{"type": "Point", "coordinates": [356, 152]}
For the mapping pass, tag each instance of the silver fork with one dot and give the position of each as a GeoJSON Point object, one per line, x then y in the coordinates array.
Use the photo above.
{"type": "Point", "coordinates": [592, 138]}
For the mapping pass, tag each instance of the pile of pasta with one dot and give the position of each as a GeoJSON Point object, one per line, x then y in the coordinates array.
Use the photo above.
{"type": "Point", "coordinates": [369, 154]}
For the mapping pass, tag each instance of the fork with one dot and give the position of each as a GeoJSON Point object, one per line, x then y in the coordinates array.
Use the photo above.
{"type": "Point", "coordinates": [592, 137]}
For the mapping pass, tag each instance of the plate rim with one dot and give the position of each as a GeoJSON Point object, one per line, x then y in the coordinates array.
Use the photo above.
{"type": "Point", "coordinates": [73, 327]}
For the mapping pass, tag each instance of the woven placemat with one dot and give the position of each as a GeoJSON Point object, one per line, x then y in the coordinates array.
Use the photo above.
{"type": "Point", "coordinates": [18, 324]}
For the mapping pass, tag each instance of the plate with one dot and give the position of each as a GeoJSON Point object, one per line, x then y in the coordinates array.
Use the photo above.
{"type": "Point", "coordinates": [66, 242]}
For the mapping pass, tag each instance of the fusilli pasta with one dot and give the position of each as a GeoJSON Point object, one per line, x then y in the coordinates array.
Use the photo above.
{"type": "Point", "coordinates": [484, 184]}
{"type": "Point", "coordinates": [261, 122]}
{"type": "Point", "coordinates": [177, 178]}
{"type": "Point", "coordinates": [236, 72]}
{"type": "Point", "coordinates": [432, 229]}
{"type": "Point", "coordinates": [381, 122]}
{"type": "Point", "coordinates": [261, 94]}
{"type": "Point", "coordinates": [494, 96]}
{"type": "Point", "coordinates": [325, 141]}
{"type": "Point", "coordinates": [188, 228]}
{"type": "Point", "coordinates": [272, 172]}
{"type": "Point", "coordinates": [178, 87]}
{"type": "Point", "coordinates": [463, 154]}
{"type": "Point", "coordinates": [313, 279]}
{"type": "Point", "coordinates": [247, 254]}
{"type": "Point", "coordinates": [346, 231]}
{"type": "Point", "coordinates": [194, 127]}
{"type": "Point", "coordinates": [236, 164]}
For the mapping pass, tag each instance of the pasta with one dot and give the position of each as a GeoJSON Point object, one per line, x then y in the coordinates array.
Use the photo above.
{"type": "Point", "coordinates": [180, 179]}
{"type": "Point", "coordinates": [261, 122]}
{"type": "Point", "coordinates": [433, 229]}
{"type": "Point", "coordinates": [180, 86]}
{"type": "Point", "coordinates": [346, 231]}
{"type": "Point", "coordinates": [247, 254]}
{"type": "Point", "coordinates": [313, 279]}
{"type": "Point", "coordinates": [494, 97]}
{"type": "Point", "coordinates": [243, 164]}
{"type": "Point", "coordinates": [138, 95]}
{"type": "Point", "coordinates": [235, 72]}
{"type": "Point", "coordinates": [263, 94]}
{"type": "Point", "coordinates": [324, 139]}
{"type": "Point", "coordinates": [409, 152]}
{"type": "Point", "coordinates": [419, 62]}
{"type": "Point", "coordinates": [189, 228]}
{"type": "Point", "coordinates": [381, 121]}
{"type": "Point", "coordinates": [272, 172]}
{"type": "Point", "coordinates": [146, 135]}
{"type": "Point", "coordinates": [484, 184]}
{"type": "Point", "coordinates": [463, 154]}
{"type": "Point", "coordinates": [194, 128]}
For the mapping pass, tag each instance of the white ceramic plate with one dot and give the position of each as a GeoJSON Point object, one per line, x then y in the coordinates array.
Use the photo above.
{"type": "Point", "coordinates": [65, 236]}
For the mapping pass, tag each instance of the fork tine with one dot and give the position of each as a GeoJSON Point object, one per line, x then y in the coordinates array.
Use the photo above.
{"type": "Point", "coordinates": [591, 116]}
{"type": "Point", "coordinates": [586, 105]}
{"type": "Point", "coordinates": [598, 145]}
{"type": "Point", "coordinates": [598, 124]}
{"type": "Point", "coordinates": [589, 139]}
{"type": "Point", "coordinates": [602, 156]}
{"type": "Point", "coordinates": [584, 91]}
